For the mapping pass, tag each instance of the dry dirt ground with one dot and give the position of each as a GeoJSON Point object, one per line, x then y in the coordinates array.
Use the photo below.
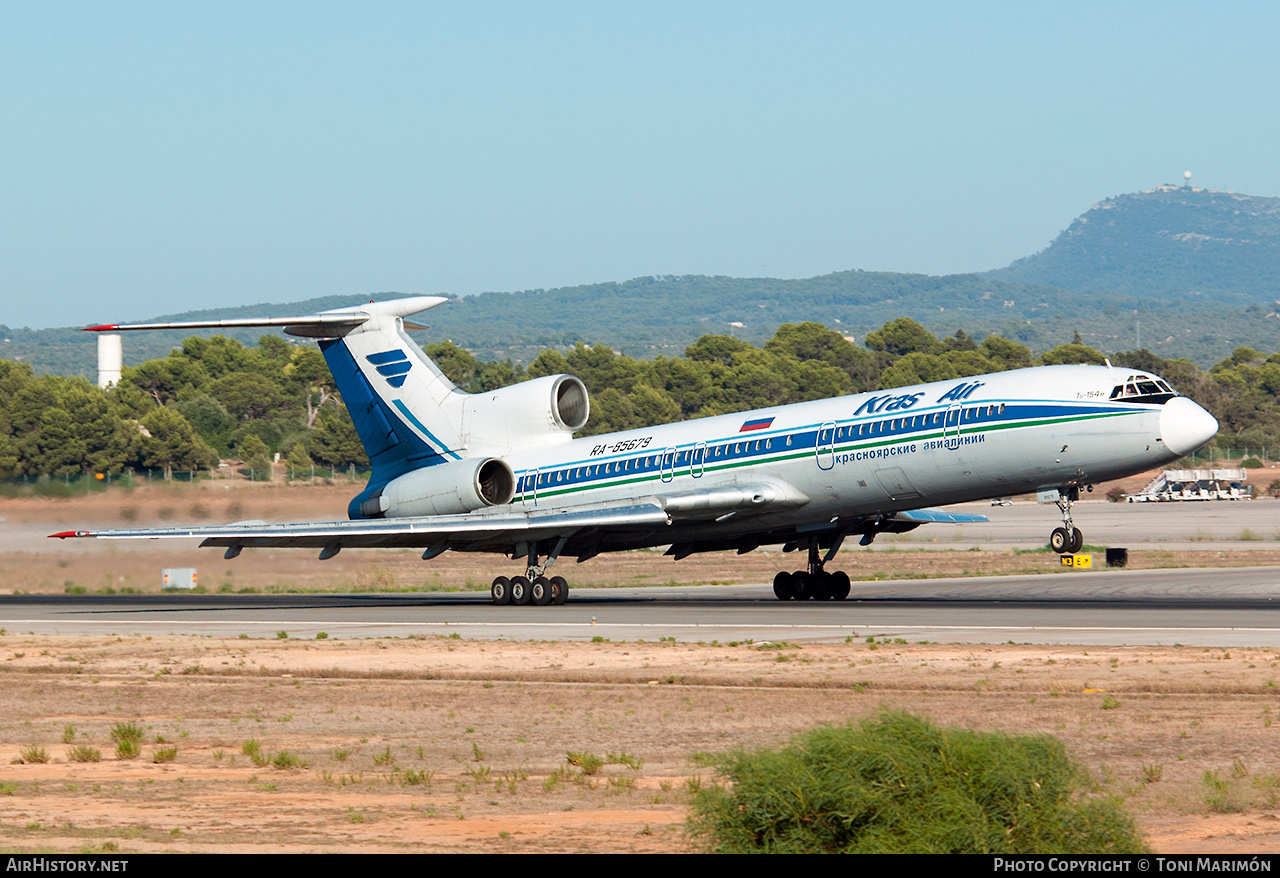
{"type": "Point", "coordinates": [441, 744]}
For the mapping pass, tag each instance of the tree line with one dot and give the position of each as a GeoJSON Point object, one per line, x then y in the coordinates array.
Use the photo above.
{"type": "Point", "coordinates": [216, 398]}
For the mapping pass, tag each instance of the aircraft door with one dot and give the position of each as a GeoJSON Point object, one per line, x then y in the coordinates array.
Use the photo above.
{"type": "Point", "coordinates": [951, 425]}
{"type": "Point", "coordinates": [825, 449]}
{"type": "Point", "coordinates": [667, 469]}
{"type": "Point", "coordinates": [530, 495]}
{"type": "Point", "coordinates": [696, 459]}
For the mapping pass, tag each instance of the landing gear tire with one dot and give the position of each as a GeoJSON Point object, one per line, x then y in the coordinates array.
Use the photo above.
{"type": "Point", "coordinates": [540, 592]}
{"type": "Point", "coordinates": [801, 585]}
{"type": "Point", "coordinates": [783, 587]}
{"type": "Point", "coordinates": [520, 588]}
{"type": "Point", "coordinates": [840, 585]}
{"type": "Point", "coordinates": [500, 591]}
{"type": "Point", "coordinates": [1060, 540]}
{"type": "Point", "coordinates": [559, 590]}
{"type": "Point", "coordinates": [1077, 541]}
{"type": "Point", "coordinates": [822, 586]}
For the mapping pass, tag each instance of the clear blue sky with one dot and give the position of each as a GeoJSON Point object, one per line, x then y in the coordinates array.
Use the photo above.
{"type": "Point", "coordinates": [161, 157]}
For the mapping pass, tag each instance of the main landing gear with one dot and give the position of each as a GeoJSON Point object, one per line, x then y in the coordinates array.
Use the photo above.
{"type": "Point", "coordinates": [815, 583]}
{"type": "Point", "coordinates": [1067, 540]}
{"type": "Point", "coordinates": [534, 587]}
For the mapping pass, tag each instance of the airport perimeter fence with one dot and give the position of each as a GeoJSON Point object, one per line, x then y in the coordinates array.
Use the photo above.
{"type": "Point", "coordinates": [1211, 456]}
{"type": "Point", "coordinates": [68, 485]}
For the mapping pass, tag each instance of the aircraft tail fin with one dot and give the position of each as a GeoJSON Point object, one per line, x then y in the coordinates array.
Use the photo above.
{"type": "Point", "coordinates": [407, 413]}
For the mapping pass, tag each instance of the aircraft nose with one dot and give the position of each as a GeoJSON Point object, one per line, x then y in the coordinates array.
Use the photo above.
{"type": "Point", "coordinates": [1185, 426]}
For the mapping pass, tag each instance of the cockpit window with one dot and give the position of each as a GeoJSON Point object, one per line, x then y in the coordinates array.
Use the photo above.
{"type": "Point", "coordinates": [1143, 388]}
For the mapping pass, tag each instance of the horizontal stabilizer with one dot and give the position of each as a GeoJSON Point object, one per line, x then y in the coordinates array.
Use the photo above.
{"type": "Point", "coordinates": [326, 324]}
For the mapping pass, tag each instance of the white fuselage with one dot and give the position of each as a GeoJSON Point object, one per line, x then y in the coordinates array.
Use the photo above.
{"type": "Point", "coordinates": [931, 444]}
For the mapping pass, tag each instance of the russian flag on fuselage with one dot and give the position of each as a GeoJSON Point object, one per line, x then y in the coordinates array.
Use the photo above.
{"type": "Point", "coordinates": [758, 424]}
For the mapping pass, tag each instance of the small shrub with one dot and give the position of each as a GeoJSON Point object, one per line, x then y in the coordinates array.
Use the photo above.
{"type": "Point", "coordinates": [284, 760]}
{"type": "Point", "coordinates": [253, 750]}
{"type": "Point", "coordinates": [127, 732]}
{"type": "Point", "coordinates": [84, 754]}
{"type": "Point", "coordinates": [68, 734]}
{"type": "Point", "coordinates": [34, 753]}
{"type": "Point", "coordinates": [413, 778]}
{"type": "Point", "coordinates": [589, 763]}
{"type": "Point", "coordinates": [897, 784]}
{"type": "Point", "coordinates": [624, 758]}
{"type": "Point", "coordinates": [164, 754]}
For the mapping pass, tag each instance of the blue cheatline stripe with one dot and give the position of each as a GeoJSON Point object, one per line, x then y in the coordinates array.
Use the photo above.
{"type": "Point", "coordinates": [404, 410]}
{"type": "Point", "coordinates": [386, 357]}
{"type": "Point", "coordinates": [739, 451]}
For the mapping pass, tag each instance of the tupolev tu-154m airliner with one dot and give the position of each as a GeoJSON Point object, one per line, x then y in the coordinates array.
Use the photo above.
{"type": "Point", "coordinates": [501, 472]}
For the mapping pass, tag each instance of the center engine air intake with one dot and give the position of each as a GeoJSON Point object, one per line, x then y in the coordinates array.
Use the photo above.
{"type": "Point", "coordinates": [445, 489]}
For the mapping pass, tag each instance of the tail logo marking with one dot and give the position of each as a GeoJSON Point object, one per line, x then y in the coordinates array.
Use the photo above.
{"type": "Point", "coordinates": [392, 365]}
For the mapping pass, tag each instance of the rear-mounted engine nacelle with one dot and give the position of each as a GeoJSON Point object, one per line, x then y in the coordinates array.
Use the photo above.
{"type": "Point", "coordinates": [445, 489]}
{"type": "Point", "coordinates": [528, 413]}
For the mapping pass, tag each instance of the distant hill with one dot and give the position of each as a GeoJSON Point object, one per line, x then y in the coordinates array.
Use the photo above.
{"type": "Point", "coordinates": [1171, 244]}
{"type": "Point", "coordinates": [1184, 272]}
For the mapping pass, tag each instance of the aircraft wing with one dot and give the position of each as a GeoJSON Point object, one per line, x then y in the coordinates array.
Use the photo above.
{"type": "Point", "coordinates": [477, 531]}
{"type": "Point", "coordinates": [503, 528]}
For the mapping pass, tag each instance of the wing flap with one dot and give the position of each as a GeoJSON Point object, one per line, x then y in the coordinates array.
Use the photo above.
{"type": "Point", "coordinates": [926, 516]}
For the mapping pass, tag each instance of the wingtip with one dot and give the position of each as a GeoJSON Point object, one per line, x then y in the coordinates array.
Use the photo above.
{"type": "Point", "coordinates": [101, 327]}
{"type": "Point", "coordinates": [63, 534]}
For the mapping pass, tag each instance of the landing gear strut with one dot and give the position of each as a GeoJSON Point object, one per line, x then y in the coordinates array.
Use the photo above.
{"type": "Point", "coordinates": [534, 587]}
{"type": "Point", "coordinates": [1066, 540]}
{"type": "Point", "coordinates": [815, 583]}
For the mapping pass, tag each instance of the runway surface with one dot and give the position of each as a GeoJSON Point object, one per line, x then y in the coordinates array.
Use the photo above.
{"type": "Point", "coordinates": [1202, 607]}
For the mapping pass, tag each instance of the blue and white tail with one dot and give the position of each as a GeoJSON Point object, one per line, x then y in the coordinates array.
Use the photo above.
{"type": "Point", "coordinates": [409, 416]}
